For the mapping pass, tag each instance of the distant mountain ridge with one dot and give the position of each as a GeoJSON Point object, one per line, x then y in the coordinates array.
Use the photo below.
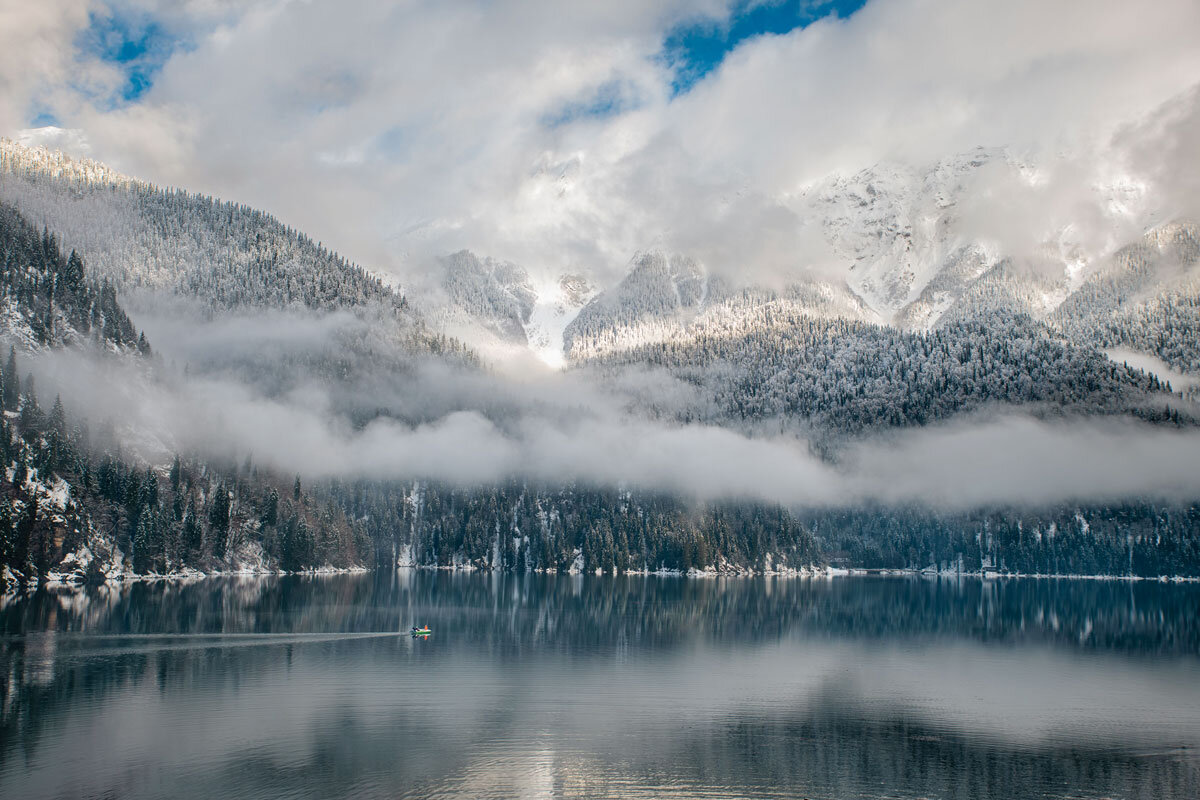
{"type": "Point", "coordinates": [925, 327]}
{"type": "Point", "coordinates": [898, 234]}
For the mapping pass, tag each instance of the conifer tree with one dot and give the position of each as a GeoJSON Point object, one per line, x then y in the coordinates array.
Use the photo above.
{"type": "Point", "coordinates": [31, 414]}
{"type": "Point", "coordinates": [270, 514]}
{"type": "Point", "coordinates": [11, 382]}
{"type": "Point", "coordinates": [71, 275]}
{"type": "Point", "coordinates": [57, 423]}
{"type": "Point", "coordinates": [192, 534]}
{"type": "Point", "coordinates": [7, 533]}
{"type": "Point", "coordinates": [218, 517]}
{"type": "Point", "coordinates": [142, 555]}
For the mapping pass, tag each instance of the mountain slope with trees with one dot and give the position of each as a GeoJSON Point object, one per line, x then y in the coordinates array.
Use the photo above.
{"type": "Point", "coordinates": [74, 504]}
{"type": "Point", "coordinates": [1146, 299]}
{"type": "Point", "coordinates": [838, 377]}
{"type": "Point", "coordinates": [807, 360]}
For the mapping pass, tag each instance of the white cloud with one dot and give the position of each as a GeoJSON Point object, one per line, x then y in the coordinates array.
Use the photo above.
{"type": "Point", "coordinates": [1162, 148]}
{"type": "Point", "coordinates": [399, 132]}
{"type": "Point", "coordinates": [37, 57]}
{"type": "Point", "coordinates": [480, 429]}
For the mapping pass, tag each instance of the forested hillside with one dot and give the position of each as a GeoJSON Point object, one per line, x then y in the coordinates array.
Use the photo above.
{"type": "Point", "coordinates": [524, 526]}
{"type": "Point", "coordinates": [1143, 539]}
{"type": "Point", "coordinates": [847, 377]}
{"type": "Point", "coordinates": [219, 258]}
{"type": "Point", "coordinates": [75, 504]}
{"type": "Point", "coordinates": [138, 235]}
{"type": "Point", "coordinates": [1147, 299]}
{"type": "Point", "coordinates": [271, 315]}
{"type": "Point", "coordinates": [48, 300]}
{"type": "Point", "coordinates": [659, 292]}
{"type": "Point", "coordinates": [494, 293]}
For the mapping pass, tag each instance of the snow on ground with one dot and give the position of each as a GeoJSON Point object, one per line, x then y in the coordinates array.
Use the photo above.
{"type": "Point", "coordinates": [58, 494]}
{"type": "Point", "coordinates": [10, 584]}
{"type": "Point", "coordinates": [15, 326]}
{"type": "Point", "coordinates": [557, 305]}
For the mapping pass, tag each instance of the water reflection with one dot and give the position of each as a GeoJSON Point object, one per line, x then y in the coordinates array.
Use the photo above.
{"type": "Point", "coordinates": [589, 687]}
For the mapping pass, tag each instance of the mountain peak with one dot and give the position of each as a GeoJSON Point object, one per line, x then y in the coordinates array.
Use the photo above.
{"type": "Point", "coordinates": [46, 152]}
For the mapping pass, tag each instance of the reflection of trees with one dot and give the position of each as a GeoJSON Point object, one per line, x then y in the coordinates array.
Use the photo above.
{"type": "Point", "coordinates": [37, 682]}
{"type": "Point", "coordinates": [519, 621]}
{"type": "Point", "coordinates": [828, 750]}
{"type": "Point", "coordinates": [515, 616]}
{"type": "Point", "coordinates": [823, 747]}
{"type": "Point", "coordinates": [513, 612]}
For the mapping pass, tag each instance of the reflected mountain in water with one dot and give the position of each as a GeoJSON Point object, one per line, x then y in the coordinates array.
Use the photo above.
{"type": "Point", "coordinates": [560, 686]}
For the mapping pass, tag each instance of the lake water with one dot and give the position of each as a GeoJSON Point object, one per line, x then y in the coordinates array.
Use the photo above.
{"type": "Point", "coordinates": [569, 686]}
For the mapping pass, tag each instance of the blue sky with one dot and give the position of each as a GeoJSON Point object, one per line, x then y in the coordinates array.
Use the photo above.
{"type": "Point", "coordinates": [41, 118]}
{"type": "Point", "coordinates": [696, 50]}
{"type": "Point", "coordinates": [609, 99]}
{"type": "Point", "coordinates": [135, 42]}
{"type": "Point", "coordinates": [140, 46]}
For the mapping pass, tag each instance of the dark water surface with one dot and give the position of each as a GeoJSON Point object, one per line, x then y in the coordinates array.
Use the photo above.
{"type": "Point", "coordinates": [543, 686]}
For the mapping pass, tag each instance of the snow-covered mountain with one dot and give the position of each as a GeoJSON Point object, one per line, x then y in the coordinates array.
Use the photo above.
{"type": "Point", "coordinates": [913, 248]}
{"type": "Point", "coordinates": [291, 349]}
{"type": "Point", "coordinates": [139, 236]}
{"type": "Point", "coordinates": [890, 224]}
{"type": "Point", "coordinates": [907, 257]}
{"type": "Point", "coordinates": [500, 308]}
{"type": "Point", "coordinates": [660, 292]}
{"type": "Point", "coordinates": [665, 297]}
{"type": "Point", "coordinates": [556, 308]}
{"type": "Point", "coordinates": [890, 228]}
{"type": "Point", "coordinates": [200, 270]}
{"type": "Point", "coordinates": [496, 293]}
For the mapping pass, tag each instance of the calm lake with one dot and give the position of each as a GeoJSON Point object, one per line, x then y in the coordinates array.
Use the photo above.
{"type": "Point", "coordinates": [571, 686]}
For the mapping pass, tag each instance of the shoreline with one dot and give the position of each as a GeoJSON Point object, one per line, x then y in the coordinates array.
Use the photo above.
{"type": "Point", "coordinates": [15, 583]}
{"type": "Point", "coordinates": [814, 572]}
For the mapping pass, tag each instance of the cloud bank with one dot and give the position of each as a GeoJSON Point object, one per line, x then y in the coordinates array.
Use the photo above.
{"type": "Point", "coordinates": [551, 135]}
{"type": "Point", "coordinates": [574, 430]}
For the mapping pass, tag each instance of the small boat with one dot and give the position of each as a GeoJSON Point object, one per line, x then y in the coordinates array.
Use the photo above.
{"type": "Point", "coordinates": [424, 631]}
